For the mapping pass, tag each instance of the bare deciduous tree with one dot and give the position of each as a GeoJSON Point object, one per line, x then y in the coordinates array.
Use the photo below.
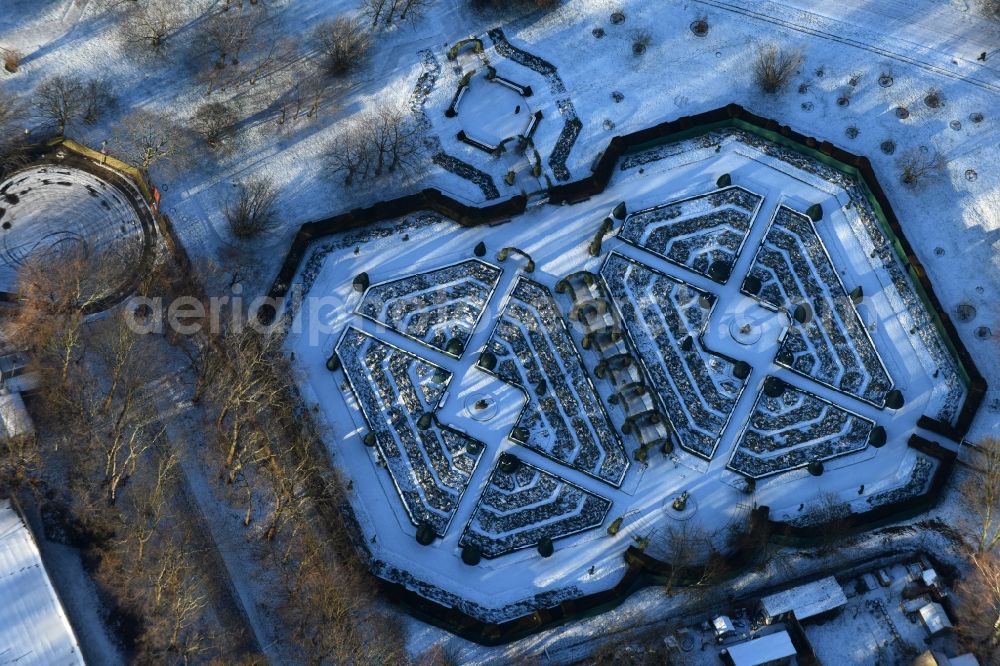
{"type": "Point", "coordinates": [332, 608]}
{"type": "Point", "coordinates": [97, 99]}
{"type": "Point", "coordinates": [59, 101]}
{"type": "Point", "coordinates": [978, 607]}
{"type": "Point", "coordinates": [20, 461]}
{"type": "Point", "coordinates": [12, 112]}
{"type": "Point", "coordinates": [773, 67]}
{"type": "Point", "coordinates": [343, 43]}
{"type": "Point", "coordinates": [213, 121]}
{"type": "Point", "coordinates": [252, 211]}
{"type": "Point", "coordinates": [146, 138]}
{"type": "Point", "coordinates": [390, 12]}
{"type": "Point", "coordinates": [917, 164]}
{"type": "Point", "coordinates": [12, 137]}
{"type": "Point", "coordinates": [147, 24]}
{"type": "Point", "coordinates": [379, 141]}
{"type": "Point", "coordinates": [56, 291]}
{"type": "Point", "coordinates": [981, 492]}
{"type": "Point", "coordinates": [692, 554]}
{"type": "Point", "coordinates": [227, 33]}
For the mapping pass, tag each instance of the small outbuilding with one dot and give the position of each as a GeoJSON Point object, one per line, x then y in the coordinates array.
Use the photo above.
{"type": "Point", "coordinates": [14, 418]}
{"type": "Point", "coordinates": [934, 658]}
{"type": "Point", "coordinates": [723, 627]}
{"type": "Point", "coordinates": [813, 599]}
{"type": "Point", "coordinates": [771, 650]}
{"type": "Point", "coordinates": [35, 629]}
{"type": "Point", "coordinates": [934, 618]}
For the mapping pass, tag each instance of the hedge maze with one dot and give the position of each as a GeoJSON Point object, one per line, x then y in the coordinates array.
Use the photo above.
{"type": "Point", "coordinates": [430, 466]}
{"type": "Point", "coordinates": [664, 318]}
{"type": "Point", "coordinates": [564, 417]}
{"type": "Point", "coordinates": [830, 344]}
{"type": "Point", "coordinates": [703, 233]}
{"type": "Point", "coordinates": [438, 307]}
{"type": "Point", "coordinates": [522, 505]}
{"type": "Point", "coordinates": [793, 429]}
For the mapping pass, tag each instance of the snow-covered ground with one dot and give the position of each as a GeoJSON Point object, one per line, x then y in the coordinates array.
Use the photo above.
{"type": "Point", "coordinates": [952, 221]}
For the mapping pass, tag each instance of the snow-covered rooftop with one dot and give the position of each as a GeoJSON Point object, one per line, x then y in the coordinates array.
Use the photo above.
{"type": "Point", "coordinates": [33, 627]}
{"type": "Point", "coordinates": [805, 600]}
{"type": "Point", "coordinates": [14, 418]}
{"type": "Point", "coordinates": [763, 650]}
{"type": "Point", "coordinates": [934, 617]}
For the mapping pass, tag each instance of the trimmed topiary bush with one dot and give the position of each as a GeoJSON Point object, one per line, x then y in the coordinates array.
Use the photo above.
{"type": "Point", "coordinates": [803, 313]}
{"type": "Point", "coordinates": [333, 363]}
{"type": "Point", "coordinates": [425, 534]}
{"type": "Point", "coordinates": [545, 547]}
{"type": "Point", "coordinates": [595, 246]}
{"type": "Point", "coordinates": [877, 437]}
{"type": "Point", "coordinates": [542, 388]}
{"type": "Point", "coordinates": [687, 344]}
{"type": "Point", "coordinates": [454, 347]}
{"type": "Point", "coordinates": [815, 467]}
{"type": "Point", "coordinates": [615, 525]}
{"type": "Point", "coordinates": [619, 212]}
{"type": "Point", "coordinates": [471, 554]}
{"type": "Point", "coordinates": [508, 463]}
{"type": "Point", "coordinates": [784, 357]}
{"type": "Point", "coordinates": [857, 295]}
{"type": "Point", "coordinates": [425, 420]}
{"type": "Point", "coordinates": [774, 387]}
{"type": "Point", "coordinates": [752, 285]}
{"type": "Point", "coordinates": [725, 180]}
{"type": "Point", "coordinates": [361, 282]}
{"type": "Point", "coordinates": [370, 439]}
{"type": "Point", "coordinates": [480, 249]}
{"type": "Point", "coordinates": [815, 212]}
{"type": "Point", "coordinates": [488, 361]}
{"type": "Point", "coordinates": [894, 399]}
{"type": "Point", "coordinates": [741, 370]}
{"type": "Point", "coordinates": [719, 270]}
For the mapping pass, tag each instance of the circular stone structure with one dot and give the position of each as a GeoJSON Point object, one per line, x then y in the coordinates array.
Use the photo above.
{"type": "Point", "coordinates": [49, 211]}
{"type": "Point", "coordinates": [690, 508]}
{"type": "Point", "coordinates": [481, 406]}
{"type": "Point", "coordinates": [744, 331]}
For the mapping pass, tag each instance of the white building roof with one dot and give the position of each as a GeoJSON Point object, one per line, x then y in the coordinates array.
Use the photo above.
{"type": "Point", "coordinates": [762, 650]}
{"type": "Point", "coordinates": [806, 600]}
{"type": "Point", "coordinates": [723, 625]}
{"type": "Point", "coordinates": [14, 418]}
{"type": "Point", "coordinates": [934, 617]}
{"type": "Point", "coordinates": [33, 627]}
{"type": "Point", "coordinates": [929, 577]}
